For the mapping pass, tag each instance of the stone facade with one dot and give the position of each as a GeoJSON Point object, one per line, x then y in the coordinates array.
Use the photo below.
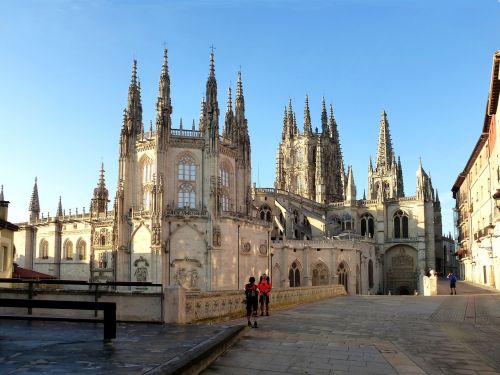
{"type": "Point", "coordinates": [477, 197]}
{"type": "Point", "coordinates": [185, 212]}
{"type": "Point", "coordinates": [7, 231]}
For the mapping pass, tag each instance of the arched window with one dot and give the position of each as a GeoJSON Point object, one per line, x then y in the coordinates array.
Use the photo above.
{"type": "Point", "coordinates": [294, 275]}
{"type": "Point", "coordinates": [44, 250]}
{"type": "Point", "coordinates": [187, 169]}
{"type": "Point", "coordinates": [186, 196]}
{"type": "Point", "coordinates": [186, 193]}
{"type": "Point", "coordinates": [370, 273]}
{"type": "Point", "coordinates": [342, 275]}
{"type": "Point", "coordinates": [224, 175]}
{"type": "Point", "coordinates": [367, 225]}
{"type": "Point", "coordinates": [347, 222]}
{"type": "Point", "coordinates": [295, 216]}
{"type": "Point", "coordinates": [81, 250]}
{"type": "Point", "coordinates": [265, 213]}
{"type": "Point", "coordinates": [146, 203]}
{"type": "Point", "coordinates": [147, 170]}
{"type": "Point", "coordinates": [68, 250]}
{"type": "Point", "coordinates": [320, 274]}
{"type": "Point", "coordinates": [400, 224]}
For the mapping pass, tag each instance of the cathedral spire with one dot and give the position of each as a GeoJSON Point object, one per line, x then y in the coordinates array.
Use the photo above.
{"type": "Point", "coordinates": [350, 194]}
{"type": "Point", "coordinates": [384, 149]}
{"type": "Point", "coordinates": [239, 105]}
{"type": "Point", "coordinates": [212, 106]}
{"type": "Point", "coordinates": [324, 117]}
{"type": "Point", "coordinates": [227, 130]}
{"type": "Point", "coordinates": [284, 130]}
{"type": "Point", "coordinates": [59, 211]}
{"type": "Point", "coordinates": [99, 202]}
{"type": "Point", "coordinates": [203, 109]}
{"type": "Point", "coordinates": [134, 105]}
{"type": "Point", "coordinates": [307, 119]}
{"type": "Point", "coordinates": [1, 194]}
{"type": "Point", "coordinates": [34, 209]}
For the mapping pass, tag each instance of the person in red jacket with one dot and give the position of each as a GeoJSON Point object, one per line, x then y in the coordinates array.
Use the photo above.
{"type": "Point", "coordinates": [265, 287]}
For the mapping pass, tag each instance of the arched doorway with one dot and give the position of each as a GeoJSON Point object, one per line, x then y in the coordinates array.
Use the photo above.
{"type": "Point", "coordinates": [401, 271]}
{"type": "Point", "coordinates": [343, 275]}
{"type": "Point", "coordinates": [404, 291]}
{"type": "Point", "coordinates": [320, 274]}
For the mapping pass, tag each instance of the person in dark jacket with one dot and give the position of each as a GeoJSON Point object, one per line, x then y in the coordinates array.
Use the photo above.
{"type": "Point", "coordinates": [453, 283]}
{"type": "Point", "coordinates": [252, 301]}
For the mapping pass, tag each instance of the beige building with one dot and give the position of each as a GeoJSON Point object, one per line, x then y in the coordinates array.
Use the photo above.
{"type": "Point", "coordinates": [476, 194]}
{"type": "Point", "coordinates": [185, 211]}
{"type": "Point", "coordinates": [7, 231]}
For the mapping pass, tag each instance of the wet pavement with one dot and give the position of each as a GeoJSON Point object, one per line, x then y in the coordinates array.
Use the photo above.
{"type": "Point", "coordinates": [442, 334]}
{"type": "Point", "coordinates": [39, 347]}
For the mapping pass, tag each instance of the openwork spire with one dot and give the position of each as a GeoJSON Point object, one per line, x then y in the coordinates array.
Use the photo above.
{"type": "Point", "coordinates": [307, 118]}
{"type": "Point", "coordinates": [35, 203]}
{"type": "Point", "coordinates": [229, 101]}
{"type": "Point", "coordinates": [324, 117]}
{"type": "Point", "coordinates": [59, 211]}
{"type": "Point", "coordinates": [100, 198]}
{"type": "Point", "coordinates": [384, 149]}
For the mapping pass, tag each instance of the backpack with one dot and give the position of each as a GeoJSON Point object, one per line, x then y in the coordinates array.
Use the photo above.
{"type": "Point", "coordinates": [250, 290]}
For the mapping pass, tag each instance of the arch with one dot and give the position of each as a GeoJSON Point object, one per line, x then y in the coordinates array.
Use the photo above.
{"type": "Point", "coordinates": [146, 165]}
{"type": "Point", "coordinates": [401, 262]}
{"type": "Point", "coordinates": [44, 249]}
{"type": "Point", "coordinates": [276, 275]}
{"type": "Point", "coordinates": [294, 274]}
{"type": "Point", "coordinates": [186, 196]}
{"type": "Point", "coordinates": [186, 167]}
{"type": "Point", "coordinates": [367, 225]}
{"type": "Point", "coordinates": [400, 220]}
{"type": "Point", "coordinates": [81, 249]}
{"type": "Point", "coordinates": [68, 250]}
{"type": "Point", "coordinates": [265, 213]}
{"type": "Point", "coordinates": [320, 274]}
{"type": "Point", "coordinates": [141, 239]}
{"type": "Point", "coordinates": [225, 173]}
{"type": "Point", "coordinates": [343, 275]}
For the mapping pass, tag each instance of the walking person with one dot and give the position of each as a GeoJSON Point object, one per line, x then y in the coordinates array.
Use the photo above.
{"type": "Point", "coordinates": [252, 301]}
{"type": "Point", "coordinates": [264, 292]}
{"type": "Point", "coordinates": [453, 283]}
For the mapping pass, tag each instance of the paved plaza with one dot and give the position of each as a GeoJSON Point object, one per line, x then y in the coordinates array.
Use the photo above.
{"type": "Point", "coordinates": [346, 335]}
{"type": "Point", "coordinates": [406, 335]}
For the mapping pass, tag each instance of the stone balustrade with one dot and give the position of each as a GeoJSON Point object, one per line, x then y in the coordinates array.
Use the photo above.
{"type": "Point", "coordinates": [217, 306]}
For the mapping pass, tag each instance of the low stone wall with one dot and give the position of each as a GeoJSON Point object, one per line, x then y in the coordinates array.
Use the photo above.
{"type": "Point", "coordinates": [218, 306]}
{"type": "Point", "coordinates": [130, 306]}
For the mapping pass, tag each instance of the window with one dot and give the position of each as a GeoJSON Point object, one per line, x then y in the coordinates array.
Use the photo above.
{"type": "Point", "coordinates": [187, 196]}
{"type": "Point", "coordinates": [294, 275]}
{"type": "Point", "coordinates": [265, 213]}
{"type": "Point", "coordinates": [225, 202]}
{"type": "Point", "coordinates": [224, 176]}
{"type": "Point", "coordinates": [343, 275]}
{"type": "Point", "coordinates": [400, 225]}
{"type": "Point", "coordinates": [187, 169]}
{"type": "Point", "coordinates": [44, 250]}
{"type": "Point", "coordinates": [367, 225]}
{"type": "Point", "coordinates": [146, 204]}
{"type": "Point", "coordinates": [147, 170]}
{"type": "Point", "coordinates": [186, 193]}
{"type": "Point", "coordinates": [81, 249]}
{"type": "Point", "coordinates": [68, 250]}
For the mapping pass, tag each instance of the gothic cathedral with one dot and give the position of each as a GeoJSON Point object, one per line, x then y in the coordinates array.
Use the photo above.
{"type": "Point", "coordinates": [185, 211]}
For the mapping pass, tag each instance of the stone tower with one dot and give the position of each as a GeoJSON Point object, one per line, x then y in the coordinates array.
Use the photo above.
{"type": "Point", "coordinates": [310, 163]}
{"type": "Point", "coordinates": [386, 180]}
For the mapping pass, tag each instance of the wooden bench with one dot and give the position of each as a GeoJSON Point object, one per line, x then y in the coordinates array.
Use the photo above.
{"type": "Point", "coordinates": [109, 309]}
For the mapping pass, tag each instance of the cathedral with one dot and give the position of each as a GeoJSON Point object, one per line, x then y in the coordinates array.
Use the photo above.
{"type": "Point", "coordinates": [185, 211]}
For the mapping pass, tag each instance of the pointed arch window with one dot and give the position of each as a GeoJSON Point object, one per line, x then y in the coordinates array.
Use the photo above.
{"type": "Point", "coordinates": [265, 213]}
{"type": "Point", "coordinates": [44, 249]}
{"type": "Point", "coordinates": [400, 224]}
{"type": "Point", "coordinates": [187, 196]}
{"type": "Point", "coordinates": [147, 170]}
{"type": "Point", "coordinates": [367, 225]}
{"type": "Point", "coordinates": [68, 250]}
{"type": "Point", "coordinates": [294, 275]}
{"type": "Point", "coordinates": [81, 249]}
{"type": "Point", "coordinates": [225, 202]}
{"type": "Point", "coordinates": [186, 191]}
{"type": "Point", "coordinates": [187, 169]}
{"type": "Point", "coordinates": [343, 276]}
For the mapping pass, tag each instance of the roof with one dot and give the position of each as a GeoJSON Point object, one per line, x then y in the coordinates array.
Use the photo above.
{"type": "Point", "coordinates": [24, 273]}
{"type": "Point", "coordinates": [4, 224]}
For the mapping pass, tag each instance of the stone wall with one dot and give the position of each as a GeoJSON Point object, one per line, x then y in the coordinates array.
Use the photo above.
{"type": "Point", "coordinates": [226, 305]}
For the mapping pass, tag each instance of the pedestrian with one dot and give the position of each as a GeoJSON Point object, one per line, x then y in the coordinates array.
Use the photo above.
{"type": "Point", "coordinates": [453, 283]}
{"type": "Point", "coordinates": [252, 301]}
{"type": "Point", "coordinates": [264, 292]}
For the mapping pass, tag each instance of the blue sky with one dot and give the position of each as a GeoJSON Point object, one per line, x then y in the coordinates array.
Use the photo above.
{"type": "Point", "coordinates": [65, 69]}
